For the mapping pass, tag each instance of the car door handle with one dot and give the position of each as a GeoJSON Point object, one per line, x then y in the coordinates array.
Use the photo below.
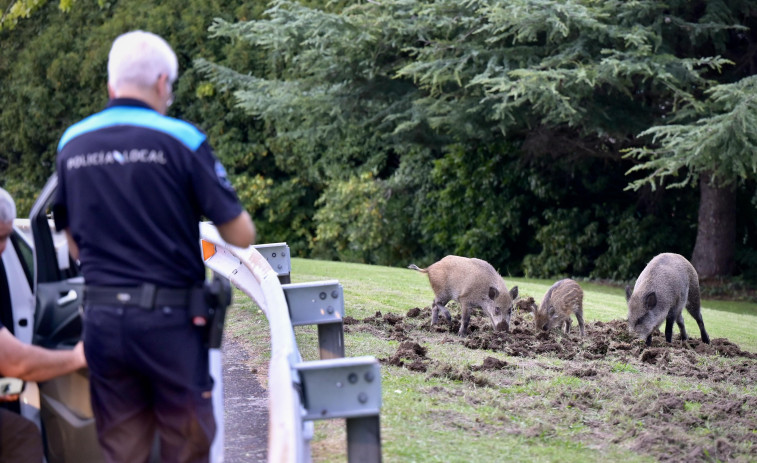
{"type": "Point", "coordinates": [69, 297]}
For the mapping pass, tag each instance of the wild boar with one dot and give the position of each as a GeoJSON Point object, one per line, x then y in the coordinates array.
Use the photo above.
{"type": "Point", "coordinates": [564, 299]}
{"type": "Point", "coordinates": [472, 283]}
{"type": "Point", "coordinates": [667, 284]}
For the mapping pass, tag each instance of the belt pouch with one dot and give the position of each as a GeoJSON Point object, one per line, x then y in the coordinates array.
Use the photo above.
{"type": "Point", "coordinates": [198, 309]}
{"type": "Point", "coordinates": [218, 295]}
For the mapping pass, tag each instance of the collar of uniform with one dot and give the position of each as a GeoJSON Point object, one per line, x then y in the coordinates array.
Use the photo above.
{"type": "Point", "coordinates": [128, 102]}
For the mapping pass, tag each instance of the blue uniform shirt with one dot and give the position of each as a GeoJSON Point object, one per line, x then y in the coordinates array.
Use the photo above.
{"type": "Point", "coordinates": [132, 187]}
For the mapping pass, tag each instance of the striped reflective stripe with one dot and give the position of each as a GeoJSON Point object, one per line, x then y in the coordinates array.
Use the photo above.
{"type": "Point", "coordinates": [186, 133]}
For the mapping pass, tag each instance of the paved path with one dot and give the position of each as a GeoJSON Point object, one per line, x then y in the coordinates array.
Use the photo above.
{"type": "Point", "coordinates": [246, 407]}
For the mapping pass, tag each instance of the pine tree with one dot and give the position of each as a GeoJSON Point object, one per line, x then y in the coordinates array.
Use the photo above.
{"type": "Point", "coordinates": [358, 85]}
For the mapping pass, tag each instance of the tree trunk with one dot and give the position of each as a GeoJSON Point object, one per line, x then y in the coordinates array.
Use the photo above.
{"type": "Point", "coordinates": [716, 233]}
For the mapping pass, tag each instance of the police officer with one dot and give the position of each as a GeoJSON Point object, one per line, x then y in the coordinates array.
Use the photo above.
{"type": "Point", "coordinates": [133, 186]}
{"type": "Point", "coordinates": [20, 440]}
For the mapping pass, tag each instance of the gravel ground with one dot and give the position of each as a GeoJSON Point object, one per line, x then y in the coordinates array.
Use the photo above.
{"type": "Point", "coordinates": [246, 407]}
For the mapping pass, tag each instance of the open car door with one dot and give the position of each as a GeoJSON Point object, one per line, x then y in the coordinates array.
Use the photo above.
{"type": "Point", "coordinates": [67, 420]}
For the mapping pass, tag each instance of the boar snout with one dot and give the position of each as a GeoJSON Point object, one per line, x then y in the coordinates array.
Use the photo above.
{"type": "Point", "coordinates": [502, 326]}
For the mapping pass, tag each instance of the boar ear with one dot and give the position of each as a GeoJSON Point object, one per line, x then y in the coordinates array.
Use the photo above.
{"type": "Point", "coordinates": [514, 292]}
{"type": "Point", "coordinates": [628, 293]}
{"type": "Point", "coordinates": [493, 293]}
{"type": "Point", "coordinates": [650, 300]}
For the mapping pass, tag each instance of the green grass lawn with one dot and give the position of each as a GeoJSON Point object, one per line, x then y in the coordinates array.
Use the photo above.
{"type": "Point", "coordinates": [619, 406]}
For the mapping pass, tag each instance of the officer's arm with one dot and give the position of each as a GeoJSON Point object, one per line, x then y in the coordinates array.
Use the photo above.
{"type": "Point", "coordinates": [239, 231]}
{"type": "Point", "coordinates": [73, 249]}
{"type": "Point", "coordinates": [33, 363]}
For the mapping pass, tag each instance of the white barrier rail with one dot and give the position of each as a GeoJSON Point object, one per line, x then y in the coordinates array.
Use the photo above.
{"type": "Point", "coordinates": [300, 392]}
{"type": "Point", "coordinates": [249, 271]}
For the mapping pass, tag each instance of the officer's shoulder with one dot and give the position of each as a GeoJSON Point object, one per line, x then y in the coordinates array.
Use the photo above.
{"type": "Point", "coordinates": [184, 131]}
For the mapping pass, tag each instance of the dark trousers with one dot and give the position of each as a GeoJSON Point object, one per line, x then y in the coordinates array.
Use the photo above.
{"type": "Point", "coordinates": [148, 372]}
{"type": "Point", "coordinates": [20, 440]}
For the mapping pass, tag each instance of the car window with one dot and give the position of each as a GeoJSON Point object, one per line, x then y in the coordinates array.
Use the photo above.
{"type": "Point", "coordinates": [26, 256]}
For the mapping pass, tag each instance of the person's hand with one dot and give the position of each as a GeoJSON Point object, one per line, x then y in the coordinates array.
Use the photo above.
{"type": "Point", "coordinates": [9, 398]}
{"type": "Point", "coordinates": [79, 353]}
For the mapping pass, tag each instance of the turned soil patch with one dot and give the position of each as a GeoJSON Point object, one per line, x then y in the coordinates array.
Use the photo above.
{"type": "Point", "coordinates": [684, 401]}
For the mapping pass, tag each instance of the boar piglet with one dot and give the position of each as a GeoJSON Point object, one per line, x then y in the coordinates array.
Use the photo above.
{"type": "Point", "coordinates": [667, 284]}
{"type": "Point", "coordinates": [563, 300]}
{"type": "Point", "coordinates": [472, 283]}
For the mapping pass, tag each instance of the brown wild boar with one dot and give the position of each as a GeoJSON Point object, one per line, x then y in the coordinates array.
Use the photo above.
{"type": "Point", "coordinates": [472, 283]}
{"type": "Point", "coordinates": [564, 299]}
{"type": "Point", "coordinates": [667, 284]}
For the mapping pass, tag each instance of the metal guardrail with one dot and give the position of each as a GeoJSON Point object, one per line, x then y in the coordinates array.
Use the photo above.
{"type": "Point", "coordinates": [320, 303]}
{"type": "Point", "coordinates": [302, 391]}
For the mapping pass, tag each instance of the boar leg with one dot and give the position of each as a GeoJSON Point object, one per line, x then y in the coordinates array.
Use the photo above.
{"type": "Point", "coordinates": [705, 337]}
{"type": "Point", "coordinates": [568, 322]}
{"type": "Point", "coordinates": [465, 320]}
{"type": "Point", "coordinates": [695, 310]}
{"type": "Point", "coordinates": [434, 313]}
{"type": "Point", "coordinates": [648, 342]}
{"type": "Point", "coordinates": [445, 313]}
{"type": "Point", "coordinates": [580, 318]}
{"type": "Point", "coordinates": [669, 327]}
{"type": "Point", "coordinates": [681, 327]}
{"type": "Point", "coordinates": [702, 331]}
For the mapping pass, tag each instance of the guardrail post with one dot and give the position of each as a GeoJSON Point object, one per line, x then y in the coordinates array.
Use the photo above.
{"type": "Point", "coordinates": [334, 387]}
{"type": "Point", "coordinates": [319, 303]}
{"type": "Point", "coordinates": [331, 341]}
{"type": "Point", "coordinates": [278, 256]}
{"type": "Point", "coordinates": [364, 439]}
{"type": "Point", "coordinates": [347, 388]}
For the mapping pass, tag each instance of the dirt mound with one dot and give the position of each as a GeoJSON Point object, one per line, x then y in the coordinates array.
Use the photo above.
{"type": "Point", "coordinates": [413, 313]}
{"type": "Point", "coordinates": [410, 355]}
{"type": "Point", "coordinates": [712, 423]}
{"type": "Point", "coordinates": [655, 355]}
{"type": "Point", "coordinates": [489, 364]}
{"type": "Point", "coordinates": [602, 339]}
{"type": "Point", "coordinates": [720, 346]}
{"type": "Point", "coordinates": [457, 373]}
{"type": "Point", "coordinates": [391, 323]}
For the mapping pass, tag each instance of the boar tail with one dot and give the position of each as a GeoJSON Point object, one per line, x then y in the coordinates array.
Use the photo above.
{"type": "Point", "coordinates": [415, 267]}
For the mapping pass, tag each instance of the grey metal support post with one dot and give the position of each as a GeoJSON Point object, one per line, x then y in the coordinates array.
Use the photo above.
{"type": "Point", "coordinates": [331, 340]}
{"type": "Point", "coordinates": [347, 388]}
{"type": "Point", "coordinates": [319, 303]}
{"type": "Point", "coordinates": [364, 439]}
{"type": "Point", "coordinates": [278, 256]}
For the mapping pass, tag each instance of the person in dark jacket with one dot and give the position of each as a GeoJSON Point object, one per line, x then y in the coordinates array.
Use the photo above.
{"type": "Point", "coordinates": [133, 186]}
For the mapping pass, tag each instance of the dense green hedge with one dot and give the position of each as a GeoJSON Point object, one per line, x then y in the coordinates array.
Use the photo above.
{"type": "Point", "coordinates": [351, 183]}
{"type": "Point", "coordinates": [53, 73]}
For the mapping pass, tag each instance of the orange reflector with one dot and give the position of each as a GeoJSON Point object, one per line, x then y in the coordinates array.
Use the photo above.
{"type": "Point", "coordinates": [208, 249]}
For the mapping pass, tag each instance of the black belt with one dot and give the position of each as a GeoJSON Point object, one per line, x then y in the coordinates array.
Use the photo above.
{"type": "Point", "coordinates": [146, 296]}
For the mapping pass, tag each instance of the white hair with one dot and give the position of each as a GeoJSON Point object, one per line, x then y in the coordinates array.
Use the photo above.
{"type": "Point", "coordinates": [139, 58]}
{"type": "Point", "coordinates": [7, 207]}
